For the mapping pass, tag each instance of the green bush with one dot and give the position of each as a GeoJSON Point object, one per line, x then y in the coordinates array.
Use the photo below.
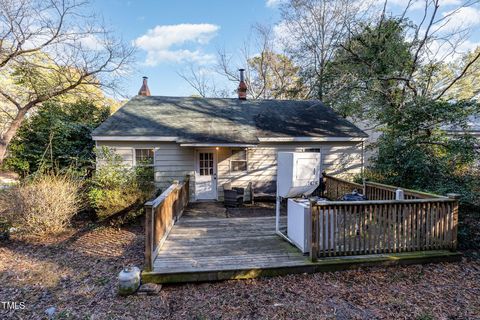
{"type": "Point", "coordinates": [57, 136]}
{"type": "Point", "coordinates": [115, 187]}
{"type": "Point", "coordinates": [42, 204]}
{"type": "Point", "coordinates": [435, 163]}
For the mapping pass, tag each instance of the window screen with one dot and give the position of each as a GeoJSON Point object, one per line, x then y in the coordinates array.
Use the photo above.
{"type": "Point", "coordinates": [144, 157]}
{"type": "Point", "coordinates": [238, 160]}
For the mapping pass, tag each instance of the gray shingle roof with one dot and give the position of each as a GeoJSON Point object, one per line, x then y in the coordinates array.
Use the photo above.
{"type": "Point", "coordinates": [215, 120]}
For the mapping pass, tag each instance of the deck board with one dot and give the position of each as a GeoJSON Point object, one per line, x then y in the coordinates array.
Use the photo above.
{"type": "Point", "coordinates": [207, 244]}
{"type": "Point", "coordinates": [214, 246]}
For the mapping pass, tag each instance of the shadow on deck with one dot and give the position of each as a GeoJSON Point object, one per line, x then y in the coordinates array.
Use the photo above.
{"type": "Point", "coordinates": [212, 243]}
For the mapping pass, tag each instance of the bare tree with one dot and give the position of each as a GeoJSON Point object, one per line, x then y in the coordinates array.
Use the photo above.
{"type": "Point", "coordinates": [268, 74]}
{"type": "Point", "coordinates": [197, 80]}
{"type": "Point", "coordinates": [50, 48]}
{"type": "Point", "coordinates": [260, 41]}
{"type": "Point", "coordinates": [400, 62]}
{"type": "Point", "coordinates": [201, 80]}
{"type": "Point", "coordinates": [434, 41]}
{"type": "Point", "coordinates": [312, 31]}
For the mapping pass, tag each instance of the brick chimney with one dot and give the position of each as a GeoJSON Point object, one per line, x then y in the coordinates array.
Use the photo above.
{"type": "Point", "coordinates": [242, 86]}
{"type": "Point", "coordinates": [144, 91]}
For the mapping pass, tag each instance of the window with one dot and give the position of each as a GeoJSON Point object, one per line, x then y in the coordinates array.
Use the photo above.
{"type": "Point", "coordinates": [312, 150]}
{"type": "Point", "coordinates": [205, 163]}
{"type": "Point", "coordinates": [144, 157]}
{"type": "Point", "coordinates": [238, 160]}
{"type": "Point", "coordinates": [144, 166]}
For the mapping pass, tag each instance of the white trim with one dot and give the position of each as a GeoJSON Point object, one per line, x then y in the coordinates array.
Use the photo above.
{"type": "Point", "coordinates": [310, 139]}
{"type": "Point", "coordinates": [134, 155]}
{"type": "Point", "coordinates": [230, 163]}
{"type": "Point", "coordinates": [134, 138]}
{"type": "Point", "coordinates": [238, 145]}
{"type": "Point", "coordinates": [261, 139]}
{"type": "Point", "coordinates": [155, 149]}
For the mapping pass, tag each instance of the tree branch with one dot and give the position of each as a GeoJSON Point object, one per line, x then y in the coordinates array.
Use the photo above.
{"type": "Point", "coordinates": [11, 99]}
{"type": "Point", "coordinates": [477, 56]}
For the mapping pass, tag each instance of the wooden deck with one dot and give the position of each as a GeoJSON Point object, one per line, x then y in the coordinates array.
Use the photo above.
{"type": "Point", "coordinates": [206, 244]}
{"type": "Point", "coordinates": [216, 244]}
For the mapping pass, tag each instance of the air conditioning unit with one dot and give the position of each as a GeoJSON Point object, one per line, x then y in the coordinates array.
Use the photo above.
{"type": "Point", "coordinates": [298, 173]}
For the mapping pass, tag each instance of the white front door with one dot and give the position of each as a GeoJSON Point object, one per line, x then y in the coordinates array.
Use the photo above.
{"type": "Point", "coordinates": [206, 174]}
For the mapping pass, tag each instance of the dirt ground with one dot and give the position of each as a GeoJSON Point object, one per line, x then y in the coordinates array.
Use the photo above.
{"type": "Point", "coordinates": [76, 274]}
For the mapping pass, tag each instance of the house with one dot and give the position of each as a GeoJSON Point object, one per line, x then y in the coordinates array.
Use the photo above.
{"type": "Point", "coordinates": [218, 141]}
{"type": "Point", "coordinates": [472, 128]}
{"type": "Point", "coordinates": [372, 130]}
{"type": "Point", "coordinates": [236, 142]}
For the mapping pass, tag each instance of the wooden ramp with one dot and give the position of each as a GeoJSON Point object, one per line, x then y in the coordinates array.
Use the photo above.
{"type": "Point", "coordinates": [212, 246]}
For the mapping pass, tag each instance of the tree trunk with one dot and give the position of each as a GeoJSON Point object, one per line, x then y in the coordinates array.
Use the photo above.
{"type": "Point", "coordinates": [12, 130]}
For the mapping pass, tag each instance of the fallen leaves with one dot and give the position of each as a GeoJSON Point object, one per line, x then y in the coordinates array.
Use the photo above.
{"type": "Point", "coordinates": [78, 278]}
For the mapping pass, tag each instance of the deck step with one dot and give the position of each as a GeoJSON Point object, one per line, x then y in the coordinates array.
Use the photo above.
{"type": "Point", "coordinates": [262, 269]}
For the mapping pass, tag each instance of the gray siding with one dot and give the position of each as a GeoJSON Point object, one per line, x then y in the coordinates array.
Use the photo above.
{"type": "Point", "coordinates": [343, 159]}
{"type": "Point", "coordinates": [173, 162]}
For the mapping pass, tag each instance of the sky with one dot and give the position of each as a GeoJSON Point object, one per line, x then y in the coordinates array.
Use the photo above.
{"type": "Point", "coordinates": [171, 36]}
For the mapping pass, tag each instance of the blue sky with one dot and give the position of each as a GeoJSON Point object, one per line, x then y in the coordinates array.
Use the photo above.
{"type": "Point", "coordinates": [172, 35]}
{"type": "Point", "coordinates": [133, 19]}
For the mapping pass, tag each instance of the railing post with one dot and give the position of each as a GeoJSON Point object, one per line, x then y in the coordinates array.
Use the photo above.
{"type": "Point", "coordinates": [148, 237]}
{"type": "Point", "coordinates": [314, 231]}
{"type": "Point", "coordinates": [176, 203]}
{"type": "Point", "coordinates": [189, 178]}
{"type": "Point", "coordinates": [454, 230]}
{"type": "Point", "coordinates": [187, 188]}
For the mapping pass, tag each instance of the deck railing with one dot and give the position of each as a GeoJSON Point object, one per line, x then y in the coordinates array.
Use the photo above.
{"type": "Point", "coordinates": [381, 225]}
{"type": "Point", "coordinates": [160, 216]}
{"type": "Point", "coordinates": [379, 191]}
{"type": "Point", "coordinates": [335, 188]}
